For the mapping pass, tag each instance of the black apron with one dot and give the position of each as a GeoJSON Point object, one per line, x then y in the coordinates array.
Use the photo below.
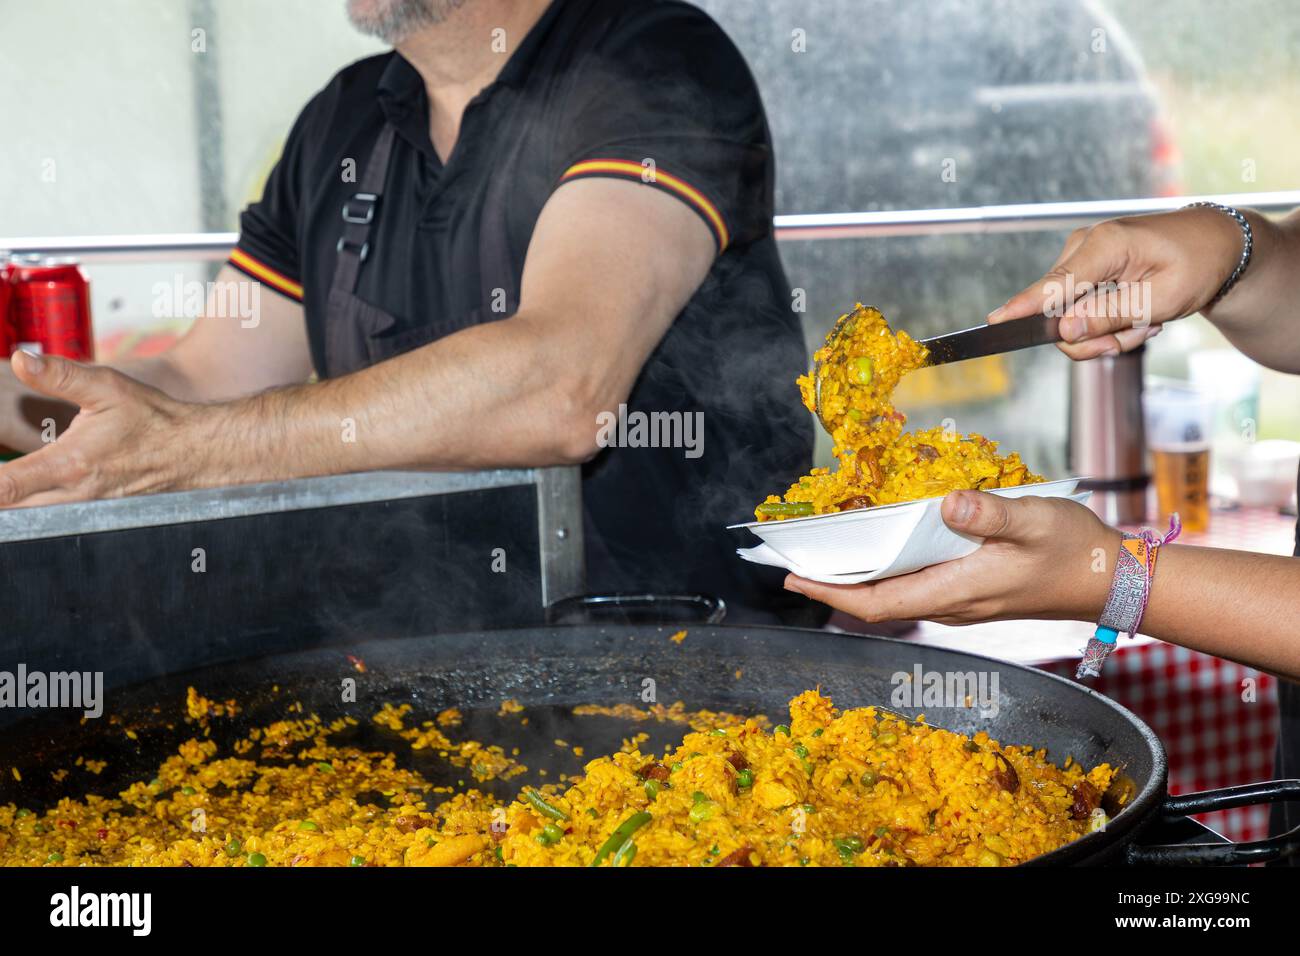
{"type": "Point", "coordinates": [358, 334]}
{"type": "Point", "coordinates": [354, 328]}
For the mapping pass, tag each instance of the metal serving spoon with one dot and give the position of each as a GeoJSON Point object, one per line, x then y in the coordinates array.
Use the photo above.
{"type": "Point", "coordinates": [969, 343]}
{"type": "Point", "coordinates": [833, 350]}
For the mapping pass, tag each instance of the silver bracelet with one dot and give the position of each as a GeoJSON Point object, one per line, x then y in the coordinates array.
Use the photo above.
{"type": "Point", "coordinates": [1247, 244]}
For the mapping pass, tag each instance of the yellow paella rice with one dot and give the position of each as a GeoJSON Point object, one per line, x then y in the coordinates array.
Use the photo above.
{"type": "Point", "coordinates": [857, 787]}
{"type": "Point", "coordinates": [877, 462]}
{"type": "Point", "coordinates": [852, 788]}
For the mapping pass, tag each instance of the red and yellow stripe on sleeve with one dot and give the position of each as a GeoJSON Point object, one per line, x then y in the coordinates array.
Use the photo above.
{"type": "Point", "coordinates": [620, 168]}
{"type": "Point", "coordinates": [246, 264]}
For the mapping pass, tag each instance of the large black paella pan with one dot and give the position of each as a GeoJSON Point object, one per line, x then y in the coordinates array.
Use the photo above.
{"type": "Point", "coordinates": [550, 670]}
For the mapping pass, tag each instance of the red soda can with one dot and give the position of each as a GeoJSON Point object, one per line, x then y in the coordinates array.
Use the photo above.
{"type": "Point", "coordinates": [51, 308]}
{"type": "Point", "coordinates": [6, 313]}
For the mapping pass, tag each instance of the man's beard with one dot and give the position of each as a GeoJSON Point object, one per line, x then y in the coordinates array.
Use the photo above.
{"type": "Point", "coordinates": [394, 20]}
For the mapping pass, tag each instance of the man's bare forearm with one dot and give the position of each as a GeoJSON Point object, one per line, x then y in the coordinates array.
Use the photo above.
{"type": "Point", "coordinates": [497, 395]}
{"type": "Point", "coordinates": [1234, 604]}
{"type": "Point", "coordinates": [1260, 315]}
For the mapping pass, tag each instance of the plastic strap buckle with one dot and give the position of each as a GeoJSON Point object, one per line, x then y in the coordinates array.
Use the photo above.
{"type": "Point", "coordinates": [362, 250]}
{"type": "Point", "coordinates": [365, 216]}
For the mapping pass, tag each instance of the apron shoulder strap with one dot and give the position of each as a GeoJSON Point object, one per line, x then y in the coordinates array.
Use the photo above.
{"type": "Point", "coordinates": [359, 214]}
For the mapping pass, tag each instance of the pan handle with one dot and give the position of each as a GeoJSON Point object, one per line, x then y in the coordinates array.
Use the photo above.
{"type": "Point", "coordinates": [637, 608]}
{"type": "Point", "coordinates": [1223, 854]}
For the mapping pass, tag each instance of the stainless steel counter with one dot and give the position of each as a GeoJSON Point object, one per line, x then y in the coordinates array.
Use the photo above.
{"type": "Point", "coordinates": [559, 500]}
{"type": "Point", "coordinates": [137, 586]}
{"type": "Point", "coordinates": [238, 501]}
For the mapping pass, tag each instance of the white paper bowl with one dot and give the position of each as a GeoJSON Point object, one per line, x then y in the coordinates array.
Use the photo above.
{"type": "Point", "coordinates": [866, 544]}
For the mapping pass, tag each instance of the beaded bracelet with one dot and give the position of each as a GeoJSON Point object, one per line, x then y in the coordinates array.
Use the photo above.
{"type": "Point", "coordinates": [1247, 244]}
{"type": "Point", "coordinates": [1130, 590]}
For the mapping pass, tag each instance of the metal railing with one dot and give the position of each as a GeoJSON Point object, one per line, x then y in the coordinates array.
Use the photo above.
{"type": "Point", "coordinates": [1027, 217]}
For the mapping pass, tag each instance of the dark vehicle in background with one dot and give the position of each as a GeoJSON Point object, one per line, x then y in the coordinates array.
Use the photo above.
{"type": "Point", "coordinates": [898, 105]}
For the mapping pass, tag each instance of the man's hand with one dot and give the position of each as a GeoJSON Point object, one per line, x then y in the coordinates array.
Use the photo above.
{"type": "Point", "coordinates": [127, 439]}
{"type": "Point", "coordinates": [1041, 558]}
{"type": "Point", "coordinates": [1152, 269]}
{"type": "Point", "coordinates": [219, 358]}
{"type": "Point", "coordinates": [1162, 267]}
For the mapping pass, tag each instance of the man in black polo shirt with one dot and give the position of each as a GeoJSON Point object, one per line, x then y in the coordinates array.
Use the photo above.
{"type": "Point", "coordinates": [533, 231]}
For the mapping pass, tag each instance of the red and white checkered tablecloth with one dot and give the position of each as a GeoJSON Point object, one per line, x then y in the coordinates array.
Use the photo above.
{"type": "Point", "coordinates": [1242, 529]}
{"type": "Point", "coordinates": [1217, 719]}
